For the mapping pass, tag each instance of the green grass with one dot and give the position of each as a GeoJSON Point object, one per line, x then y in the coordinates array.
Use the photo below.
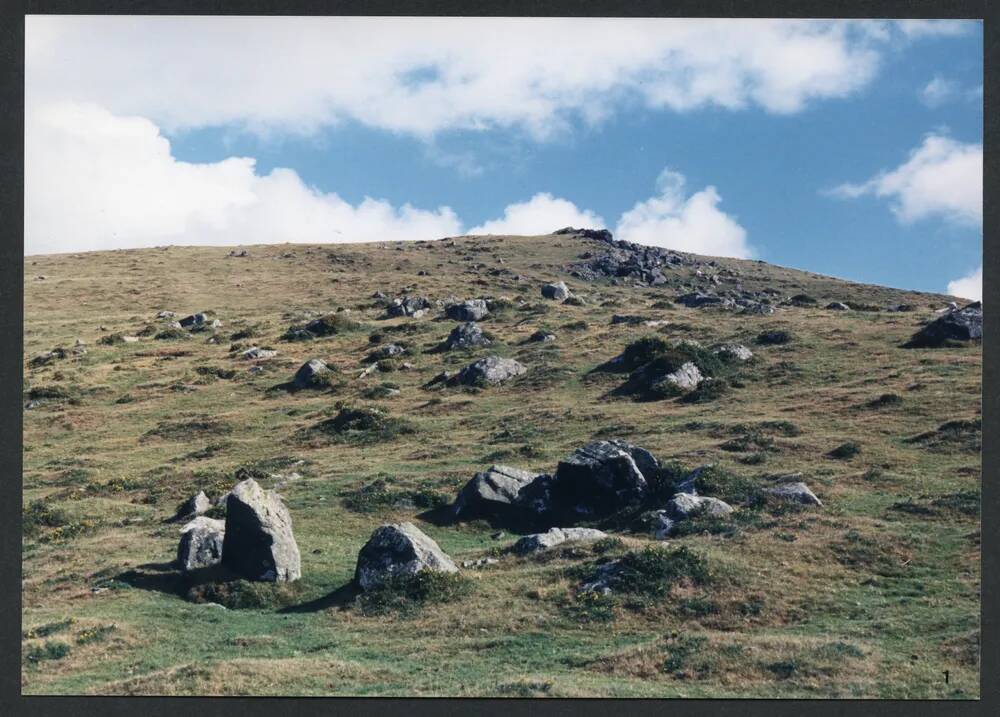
{"type": "Point", "coordinates": [888, 569]}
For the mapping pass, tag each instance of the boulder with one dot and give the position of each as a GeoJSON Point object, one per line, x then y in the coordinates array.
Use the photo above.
{"type": "Point", "coordinates": [309, 373]}
{"type": "Point", "coordinates": [733, 352]}
{"type": "Point", "coordinates": [259, 543]}
{"type": "Point", "coordinates": [557, 291]}
{"type": "Point", "coordinates": [797, 492]}
{"type": "Point", "coordinates": [256, 353]}
{"type": "Point", "coordinates": [386, 351]}
{"type": "Point", "coordinates": [193, 320]}
{"type": "Point", "coordinates": [195, 505]}
{"type": "Point", "coordinates": [965, 324]}
{"type": "Point", "coordinates": [555, 536]}
{"type": "Point", "coordinates": [602, 476]}
{"type": "Point", "coordinates": [201, 544]}
{"type": "Point", "coordinates": [466, 335]}
{"type": "Point", "coordinates": [492, 370]}
{"type": "Point", "coordinates": [686, 378]}
{"type": "Point", "coordinates": [541, 337]}
{"type": "Point", "coordinates": [697, 299]}
{"type": "Point", "coordinates": [494, 492]}
{"type": "Point", "coordinates": [398, 549]}
{"type": "Point", "coordinates": [838, 306]}
{"type": "Point", "coordinates": [468, 310]}
{"type": "Point", "coordinates": [683, 505]}
{"type": "Point", "coordinates": [413, 306]}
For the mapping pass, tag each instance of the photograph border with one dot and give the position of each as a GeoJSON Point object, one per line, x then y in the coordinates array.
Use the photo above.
{"type": "Point", "coordinates": [11, 364]}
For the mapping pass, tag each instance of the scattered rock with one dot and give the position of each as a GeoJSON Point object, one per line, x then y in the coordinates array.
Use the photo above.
{"type": "Point", "coordinates": [259, 543]}
{"type": "Point", "coordinates": [201, 543]}
{"type": "Point", "coordinates": [683, 505]}
{"type": "Point", "coordinates": [733, 352]}
{"type": "Point", "coordinates": [838, 306]}
{"type": "Point", "coordinates": [686, 378]}
{"type": "Point", "coordinates": [492, 370]}
{"type": "Point", "coordinates": [193, 320]}
{"type": "Point", "coordinates": [399, 549]}
{"type": "Point", "coordinates": [193, 506]}
{"type": "Point", "coordinates": [480, 563]}
{"type": "Point", "coordinates": [386, 351]}
{"type": "Point", "coordinates": [412, 306]}
{"type": "Point", "coordinates": [310, 374]}
{"type": "Point", "coordinates": [466, 335]}
{"type": "Point", "coordinates": [697, 300]}
{"type": "Point", "coordinates": [797, 492]}
{"type": "Point", "coordinates": [468, 310]}
{"type": "Point", "coordinates": [555, 536]}
{"type": "Point", "coordinates": [47, 357]}
{"type": "Point", "coordinates": [541, 337]}
{"type": "Point", "coordinates": [256, 353]}
{"type": "Point", "coordinates": [557, 291]}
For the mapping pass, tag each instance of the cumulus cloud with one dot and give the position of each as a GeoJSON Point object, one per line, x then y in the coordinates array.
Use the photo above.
{"type": "Point", "coordinates": [687, 223]}
{"type": "Point", "coordinates": [942, 177]}
{"type": "Point", "coordinates": [541, 214]}
{"type": "Point", "coordinates": [421, 76]}
{"type": "Point", "coordinates": [94, 180]}
{"type": "Point", "coordinates": [968, 287]}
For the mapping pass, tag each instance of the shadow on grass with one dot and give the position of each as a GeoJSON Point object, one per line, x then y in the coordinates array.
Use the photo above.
{"type": "Point", "coordinates": [341, 598]}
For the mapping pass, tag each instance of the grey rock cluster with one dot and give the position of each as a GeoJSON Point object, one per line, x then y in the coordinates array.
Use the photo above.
{"type": "Point", "coordinates": [412, 306]}
{"type": "Point", "coordinates": [491, 370]}
{"type": "Point", "coordinates": [965, 324]}
{"type": "Point", "coordinates": [467, 335]}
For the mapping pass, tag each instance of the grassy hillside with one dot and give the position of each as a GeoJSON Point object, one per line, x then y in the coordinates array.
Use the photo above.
{"type": "Point", "coordinates": [874, 595]}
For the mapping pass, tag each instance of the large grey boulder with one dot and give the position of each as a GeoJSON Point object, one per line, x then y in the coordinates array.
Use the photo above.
{"type": "Point", "coordinates": [965, 324]}
{"type": "Point", "coordinates": [309, 374]}
{"type": "Point", "coordinates": [201, 544]}
{"type": "Point", "coordinates": [259, 543]}
{"type": "Point", "coordinates": [465, 336]}
{"type": "Point", "coordinates": [398, 549]}
{"type": "Point", "coordinates": [492, 370]}
{"type": "Point", "coordinates": [603, 476]}
{"type": "Point", "coordinates": [468, 310]}
{"type": "Point", "coordinates": [494, 492]}
{"type": "Point", "coordinates": [557, 291]}
{"type": "Point", "coordinates": [797, 492]}
{"type": "Point", "coordinates": [555, 536]}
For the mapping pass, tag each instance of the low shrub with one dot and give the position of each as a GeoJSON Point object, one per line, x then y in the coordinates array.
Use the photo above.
{"type": "Point", "coordinates": [247, 594]}
{"type": "Point", "coordinates": [363, 426]}
{"type": "Point", "coordinates": [408, 594]}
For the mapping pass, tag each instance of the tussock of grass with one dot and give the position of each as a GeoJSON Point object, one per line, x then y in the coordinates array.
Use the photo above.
{"type": "Point", "coordinates": [406, 595]}
{"type": "Point", "coordinates": [363, 425]}
{"type": "Point", "coordinates": [247, 595]}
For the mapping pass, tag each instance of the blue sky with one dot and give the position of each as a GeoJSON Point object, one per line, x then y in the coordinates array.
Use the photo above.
{"type": "Point", "coordinates": [849, 150]}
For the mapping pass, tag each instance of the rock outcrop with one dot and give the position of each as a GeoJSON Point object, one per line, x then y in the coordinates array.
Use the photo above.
{"type": "Point", "coordinates": [492, 370]}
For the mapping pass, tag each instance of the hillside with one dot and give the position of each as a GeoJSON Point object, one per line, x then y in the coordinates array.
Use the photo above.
{"type": "Point", "coordinates": [874, 594]}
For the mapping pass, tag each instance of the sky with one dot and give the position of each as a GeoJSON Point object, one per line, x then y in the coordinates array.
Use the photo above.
{"type": "Point", "coordinates": [848, 148]}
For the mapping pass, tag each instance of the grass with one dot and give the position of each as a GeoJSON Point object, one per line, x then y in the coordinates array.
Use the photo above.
{"type": "Point", "coordinates": [790, 584]}
{"type": "Point", "coordinates": [407, 595]}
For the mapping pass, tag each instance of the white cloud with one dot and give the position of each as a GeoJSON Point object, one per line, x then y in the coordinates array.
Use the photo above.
{"type": "Point", "coordinates": [942, 177]}
{"type": "Point", "coordinates": [968, 287]}
{"type": "Point", "coordinates": [940, 91]}
{"type": "Point", "coordinates": [421, 76]}
{"type": "Point", "coordinates": [694, 224]}
{"type": "Point", "coordinates": [541, 214]}
{"type": "Point", "coordinates": [934, 28]}
{"type": "Point", "coordinates": [94, 180]}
